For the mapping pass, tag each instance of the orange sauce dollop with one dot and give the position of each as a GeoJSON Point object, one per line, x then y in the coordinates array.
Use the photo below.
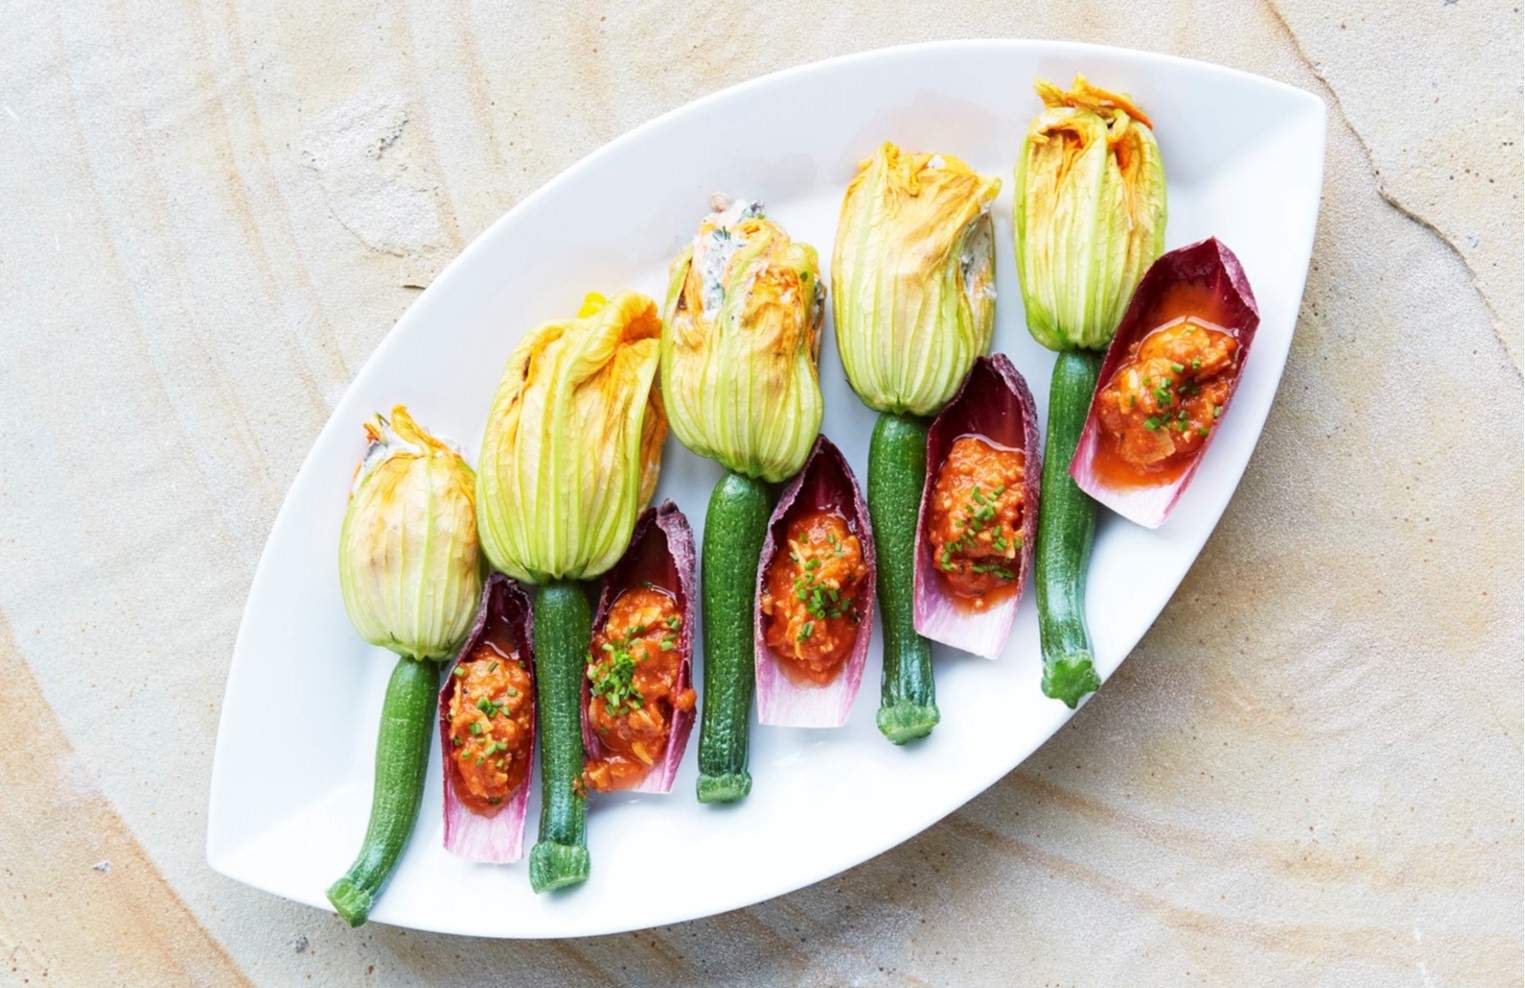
{"type": "Point", "coordinates": [974, 521]}
{"type": "Point", "coordinates": [491, 727]}
{"type": "Point", "coordinates": [1158, 409]}
{"type": "Point", "coordinates": [633, 673]}
{"type": "Point", "coordinates": [811, 596]}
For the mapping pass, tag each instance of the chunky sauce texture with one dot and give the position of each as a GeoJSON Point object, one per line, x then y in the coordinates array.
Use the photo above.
{"type": "Point", "coordinates": [974, 521]}
{"type": "Point", "coordinates": [491, 727]}
{"type": "Point", "coordinates": [633, 678]}
{"type": "Point", "coordinates": [811, 596]}
{"type": "Point", "coordinates": [1164, 401]}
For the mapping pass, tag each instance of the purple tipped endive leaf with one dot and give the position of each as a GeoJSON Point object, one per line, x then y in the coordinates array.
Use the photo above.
{"type": "Point", "coordinates": [1203, 281]}
{"type": "Point", "coordinates": [661, 553]}
{"type": "Point", "coordinates": [497, 837]}
{"type": "Point", "coordinates": [786, 699]}
{"type": "Point", "coordinates": [994, 404]}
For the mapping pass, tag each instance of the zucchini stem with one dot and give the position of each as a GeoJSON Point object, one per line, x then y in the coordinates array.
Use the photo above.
{"type": "Point", "coordinates": [897, 470]}
{"type": "Point", "coordinates": [402, 759]}
{"type": "Point", "coordinates": [734, 529]}
{"type": "Point", "coordinates": [563, 634]}
{"type": "Point", "coordinates": [1066, 529]}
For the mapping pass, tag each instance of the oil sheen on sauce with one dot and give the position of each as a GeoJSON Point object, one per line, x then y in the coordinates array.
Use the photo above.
{"type": "Point", "coordinates": [974, 520]}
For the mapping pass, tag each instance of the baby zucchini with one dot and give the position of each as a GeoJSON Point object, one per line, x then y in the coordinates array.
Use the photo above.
{"type": "Point", "coordinates": [402, 760]}
{"type": "Point", "coordinates": [734, 529]}
{"type": "Point", "coordinates": [897, 470]}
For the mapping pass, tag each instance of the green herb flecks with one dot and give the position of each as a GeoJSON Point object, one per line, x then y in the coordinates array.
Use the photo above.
{"type": "Point", "coordinates": [612, 675]}
{"type": "Point", "coordinates": [822, 600]}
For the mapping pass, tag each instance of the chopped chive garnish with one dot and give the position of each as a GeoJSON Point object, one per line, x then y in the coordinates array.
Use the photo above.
{"type": "Point", "coordinates": [1152, 423]}
{"type": "Point", "coordinates": [458, 671]}
{"type": "Point", "coordinates": [493, 667]}
{"type": "Point", "coordinates": [1196, 363]}
{"type": "Point", "coordinates": [1179, 369]}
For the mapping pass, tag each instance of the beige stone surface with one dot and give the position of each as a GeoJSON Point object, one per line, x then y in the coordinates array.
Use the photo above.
{"type": "Point", "coordinates": [1309, 773]}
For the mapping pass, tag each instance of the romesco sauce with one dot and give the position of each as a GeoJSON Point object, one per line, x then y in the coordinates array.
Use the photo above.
{"type": "Point", "coordinates": [491, 728]}
{"type": "Point", "coordinates": [633, 675]}
{"type": "Point", "coordinates": [810, 598]}
{"type": "Point", "coordinates": [1157, 410]}
{"type": "Point", "coordinates": [974, 520]}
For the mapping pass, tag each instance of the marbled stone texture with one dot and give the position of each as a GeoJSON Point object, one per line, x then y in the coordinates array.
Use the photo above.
{"type": "Point", "coordinates": [1308, 774]}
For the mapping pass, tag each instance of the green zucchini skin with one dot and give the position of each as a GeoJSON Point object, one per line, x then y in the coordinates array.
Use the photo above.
{"type": "Point", "coordinates": [1066, 528]}
{"type": "Point", "coordinates": [408, 716]}
{"type": "Point", "coordinates": [563, 634]}
{"type": "Point", "coordinates": [897, 469]}
{"type": "Point", "coordinates": [734, 529]}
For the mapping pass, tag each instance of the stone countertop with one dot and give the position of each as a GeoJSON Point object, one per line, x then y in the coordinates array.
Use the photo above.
{"type": "Point", "coordinates": [1309, 773]}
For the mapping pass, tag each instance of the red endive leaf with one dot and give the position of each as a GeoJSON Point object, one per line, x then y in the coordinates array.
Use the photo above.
{"type": "Point", "coordinates": [994, 403]}
{"type": "Point", "coordinates": [824, 483]}
{"type": "Point", "coordinates": [1206, 281]}
{"type": "Point", "coordinates": [661, 552]}
{"type": "Point", "coordinates": [496, 837]}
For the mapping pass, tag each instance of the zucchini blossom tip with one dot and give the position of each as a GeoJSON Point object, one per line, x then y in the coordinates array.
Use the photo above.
{"type": "Point", "coordinates": [409, 567]}
{"type": "Point", "coordinates": [1089, 213]}
{"type": "Point", "coordinates": [573, 443]}
{"type": "Point", "coordinates": [913, 278]}
{"type": "Point", "coordinates": [741, 341]}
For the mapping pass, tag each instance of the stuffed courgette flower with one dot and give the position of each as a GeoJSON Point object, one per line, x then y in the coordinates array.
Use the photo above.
{"type": "Point", "coordinates": [739, 350]}
{"type": "Point", "coordinates": [573, 442]}
{"type": "Point", "coordinates": [408, 562]}
{"type": "Point", "coordinates": [410, 575]}
{"type": "Point", "coordinates": [569, 458]}
{"type": "Point", "coordinates": [913, 289]}
{"type": "Point", "coordinates": [913, 278]}
{"type": "Point", "coordinates": [1089, 220]}
{"type": "Point", "coordinates": [1089, 214]}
